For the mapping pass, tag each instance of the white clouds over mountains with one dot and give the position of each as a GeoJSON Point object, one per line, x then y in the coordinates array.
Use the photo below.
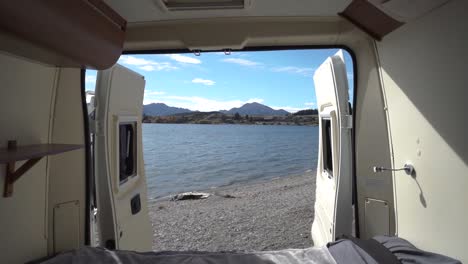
{"type": "Point", "coordinates": [287, 69]}
{"type": "Point", "coordinates": [153, 65]}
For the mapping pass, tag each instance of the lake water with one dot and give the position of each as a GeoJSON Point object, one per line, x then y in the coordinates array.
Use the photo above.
{"type": "Point", "coordinates": [186, 157]}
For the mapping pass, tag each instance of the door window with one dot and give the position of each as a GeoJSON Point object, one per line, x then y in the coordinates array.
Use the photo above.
{"type": "Point", "coordinates": [127, 151]}
{"type": "Point", "coordinates": [327, 147]}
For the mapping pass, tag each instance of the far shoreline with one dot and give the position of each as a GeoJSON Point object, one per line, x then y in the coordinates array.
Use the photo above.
{"type": "Point", "coordinates": [206, 118]}
{"type": "Point", "coordinates": [241, 124]}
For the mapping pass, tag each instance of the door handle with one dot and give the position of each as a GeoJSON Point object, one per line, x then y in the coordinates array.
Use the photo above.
{"type": "Point", "coordinates": [135, 204]}
{"type": "Point", "coordinates": [408, 168]}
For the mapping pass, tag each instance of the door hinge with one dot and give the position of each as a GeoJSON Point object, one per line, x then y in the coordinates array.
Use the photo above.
{"type": "Point", "coordinates": [347, 121]}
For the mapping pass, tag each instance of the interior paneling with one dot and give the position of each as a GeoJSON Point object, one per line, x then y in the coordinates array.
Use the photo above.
{"type": "Point", "coordinates": [139, 11]}
{"type": "Point", "coordinates": [425, 82]}
{"type": "Point", "coordinates": [67, 170]}
{"type": "Point", "coordinates": [25, 104]}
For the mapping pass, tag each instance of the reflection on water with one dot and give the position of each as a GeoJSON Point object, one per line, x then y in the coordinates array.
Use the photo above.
{"type": "Point", "coordinates": [183, 157]}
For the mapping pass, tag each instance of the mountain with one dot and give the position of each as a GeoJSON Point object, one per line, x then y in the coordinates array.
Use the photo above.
{"type": "Point", "coordinates": [160, 109]}
{"type": "Point", "coordinates": [256, 109]}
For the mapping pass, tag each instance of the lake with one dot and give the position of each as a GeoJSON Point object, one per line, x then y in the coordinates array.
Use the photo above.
{"type": "Point", "coordinates": [188, 157]}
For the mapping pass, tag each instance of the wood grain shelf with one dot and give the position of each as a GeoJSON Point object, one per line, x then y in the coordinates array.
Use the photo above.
{"type": "Point", "coordinates": [32, 154]}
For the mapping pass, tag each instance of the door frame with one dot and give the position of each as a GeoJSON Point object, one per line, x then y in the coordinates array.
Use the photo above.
{"type": "Point", "coordinates": [90, 177]}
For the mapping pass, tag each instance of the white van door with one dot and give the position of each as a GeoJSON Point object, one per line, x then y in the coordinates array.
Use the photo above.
{"type": "Point", "coordinates": [333, 204]}
{"type": "Point", "coordinates": [123, 220]}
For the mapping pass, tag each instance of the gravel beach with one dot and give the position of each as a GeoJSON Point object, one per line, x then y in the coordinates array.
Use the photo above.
{"type": "Point", "coordinates": [269, 215]}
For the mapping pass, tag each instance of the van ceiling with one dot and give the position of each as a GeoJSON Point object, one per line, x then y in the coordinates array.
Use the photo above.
{"type": "Point", "coordinates": [137, 11]}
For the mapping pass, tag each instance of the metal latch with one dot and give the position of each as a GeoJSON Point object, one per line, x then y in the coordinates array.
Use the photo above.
{"type": "Point", "coordinates": [408, 168]}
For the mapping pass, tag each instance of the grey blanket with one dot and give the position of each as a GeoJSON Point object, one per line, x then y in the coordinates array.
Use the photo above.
{"type": "Point", "coordinates": [346, 252]}
{"type": "Point", "coordinates": [313, 255]}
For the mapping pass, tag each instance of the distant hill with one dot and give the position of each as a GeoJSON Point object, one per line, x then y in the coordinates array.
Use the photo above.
{"type": "Point", "coordinates": [160, 109]}
{"type": "Point", "coordinates": [306, 112]}
{"type": "Point", "coordinates": [255, 109]}
{"type": "Point", "coordinates": [220, 118]}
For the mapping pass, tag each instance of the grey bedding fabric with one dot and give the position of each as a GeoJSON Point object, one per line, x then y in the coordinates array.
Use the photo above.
{"type": "Point", "coordinates": [346, 252]}
{"type": "Point", "coordinates": [407, 253]}
{"type": "Point", "coordinates": [289, 256]}
{"type": "Point", "coordinates": [340, 252]}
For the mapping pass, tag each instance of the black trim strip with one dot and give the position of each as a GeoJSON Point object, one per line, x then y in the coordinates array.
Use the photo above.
{"type": "Point", "coordinates": [296, 47]}
{"type": "Point", "coordinates": [88, 173]}
{"type": "Point", "coordinates": [245, 49]}
{"type": "Point", "coordinates": [353, 146]}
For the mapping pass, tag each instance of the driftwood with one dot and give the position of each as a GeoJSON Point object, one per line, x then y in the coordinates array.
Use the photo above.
{"type": "Point", "coordinates": [190, 196]}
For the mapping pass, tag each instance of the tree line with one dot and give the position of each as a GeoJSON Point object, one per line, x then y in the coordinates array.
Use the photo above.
{"type": "Point", "coordinates": [306, 112]}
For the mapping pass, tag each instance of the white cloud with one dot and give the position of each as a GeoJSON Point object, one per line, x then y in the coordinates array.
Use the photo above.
{"type": "Point", "coordinates": [290, 109]}
{"type": "Point", "coordinates": [296, 70]}
{"type": "Point", "coordinates": [131, 60]}
{"type": "Point", "coordinates": [242, 62]}
{"type": "Point", "coordinates": [149, 92]}
{"type": "Point", "coordinates": [203, 81]}
{"type": "Point", "coordinates": [144, 64]}
{"type": "Point", "coordinates": [200, 103]}
{"type": "Point", "coordinates": [152, 96]}
{"type": "Point", "coordinates": [184, 59]}
{"type": "Point", "coordinates": [309, 104]}
{"type": "Point", "coordinates": [147, 68]}
{"type": "Point", "coordinates": [90, 79]}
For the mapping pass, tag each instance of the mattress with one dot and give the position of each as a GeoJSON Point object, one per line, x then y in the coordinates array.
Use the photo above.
{"type": "Point", "coordinates": [313, 255]}
{"type": "Point", "coordinates": [343, 251]}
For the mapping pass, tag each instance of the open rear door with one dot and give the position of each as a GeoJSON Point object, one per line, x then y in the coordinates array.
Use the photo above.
{"type": "Point", "coordinates": [333, 204]}
{"type": "Point", "coordinates": [123, 220]}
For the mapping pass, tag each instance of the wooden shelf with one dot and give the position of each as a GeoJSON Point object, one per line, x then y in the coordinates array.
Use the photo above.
{"type": "Point", "coordinates": [32, 154]}
{"type": "Point", "coordinates": [34, 151]}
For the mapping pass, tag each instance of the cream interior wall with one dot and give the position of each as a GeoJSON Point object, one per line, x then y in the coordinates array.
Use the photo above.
{"type": "Point", "coordinates": [371, 136]}
{"type": "Point", "coordinates": [40, 104]}
{"type": "Point", "coordinates": [67, 170]}
{"type": "Point", "coordinates": [234, 33]}
{"type": "Point", "coordinates": [424, 69]}
{"type": "Point", "coordinates": [25, 102]}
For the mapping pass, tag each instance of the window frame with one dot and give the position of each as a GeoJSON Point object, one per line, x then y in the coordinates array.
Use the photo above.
{"type": "Point", "coordinates": [327, 146]}
{"type": "Point", "coordinates": [131, 144]}
{"type": "Point", "coordinates": [122, 186]}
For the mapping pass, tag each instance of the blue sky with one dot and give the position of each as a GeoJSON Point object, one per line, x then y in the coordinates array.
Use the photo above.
{"type": "Point", "coordinates": [215, 81]}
